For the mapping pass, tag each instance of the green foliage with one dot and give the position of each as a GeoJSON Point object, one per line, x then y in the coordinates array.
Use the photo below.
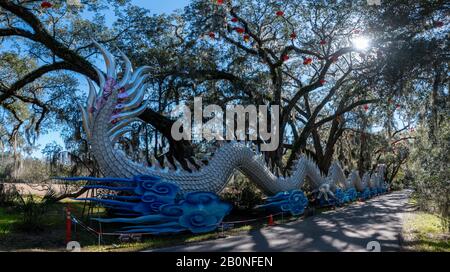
{"type": "Point", "coordinates": [23, 169]}
{"type": "Point", "coordinates": [242, 193]}
{"type": "Point", "coordinates": [8, 195]}
{"type": "Point", "coordinates": [33, 212]}
{"type": "Point", "coordinates": [7, 220]}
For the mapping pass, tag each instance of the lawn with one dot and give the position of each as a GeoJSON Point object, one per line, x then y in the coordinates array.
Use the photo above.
{"type": "Point", "coordinates": [6, 221]}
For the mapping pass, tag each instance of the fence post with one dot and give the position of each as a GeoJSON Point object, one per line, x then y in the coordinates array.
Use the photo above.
{"type": "Point", "coordinates": [68, 224]}
{"type": "Point", "coordinates": [100, 234]}
{"type": "Point", "coordinates": [271, 223]}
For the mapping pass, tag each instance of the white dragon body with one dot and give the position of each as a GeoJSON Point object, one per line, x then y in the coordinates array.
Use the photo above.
{"type": "Point", "coordinates": [115, 106]}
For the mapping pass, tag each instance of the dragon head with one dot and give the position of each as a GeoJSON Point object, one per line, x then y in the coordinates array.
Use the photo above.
{"type": "Point", "coordinates": [128, 94]}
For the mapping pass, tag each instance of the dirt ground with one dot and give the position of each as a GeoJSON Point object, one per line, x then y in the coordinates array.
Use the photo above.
{"type": "Point", "coordinates": [42, 189]}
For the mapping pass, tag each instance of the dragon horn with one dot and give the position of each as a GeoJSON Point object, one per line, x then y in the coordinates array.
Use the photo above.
{"type": "Point", "coordinates": [128, 70]}
{"type": "Point", "coordinates": [109, 60]}
{"type": "Point", "coordinates": [101, 80]}
{"type": "Point", "coordinates": [92, 94]}
{"type": "Point", "coordinates": [86, 121]}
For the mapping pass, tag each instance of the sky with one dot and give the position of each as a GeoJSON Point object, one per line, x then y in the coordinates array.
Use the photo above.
{"type": "Point", "coordinates": [155, 7]}
{"type": "Point", "coordinates": [161, 6]}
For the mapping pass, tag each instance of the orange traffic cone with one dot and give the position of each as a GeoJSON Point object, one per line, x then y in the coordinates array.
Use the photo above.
{"type": "Point", "coordinates": [271, 223]}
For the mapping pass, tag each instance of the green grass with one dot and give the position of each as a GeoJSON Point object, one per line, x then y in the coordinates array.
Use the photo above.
{"type": "Point", "coordinates": [51, 238]}
{"type": "Point", "coordinates": [424, 232]}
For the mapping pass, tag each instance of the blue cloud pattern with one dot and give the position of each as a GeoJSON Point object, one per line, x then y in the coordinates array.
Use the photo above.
{"type": "Point", "coordinates": [294, 202]}
{"type": "Point", "coordinates": [155, 206]}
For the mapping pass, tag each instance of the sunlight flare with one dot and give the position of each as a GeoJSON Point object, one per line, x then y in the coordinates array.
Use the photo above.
{"type": "Point", "coordinates": [361, 43]}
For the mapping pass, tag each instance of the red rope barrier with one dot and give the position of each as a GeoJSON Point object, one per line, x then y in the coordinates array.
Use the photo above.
{"type": "Point", "coordinates": [97, 233]}
{"type": "Point", "coordinates": [68, 224]}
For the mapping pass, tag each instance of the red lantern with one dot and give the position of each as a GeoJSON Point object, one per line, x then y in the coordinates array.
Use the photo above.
{"type": "Point", "coordinates": [239, 30]}
{"type": "Point", "coordinates": [293, 35]}
{"type": "Point", "coordinates": [234, 20]}
{"type": "Point", "coordinates": [323, 42]}
{"type": "Point", "coordinates": [212, 35]}
{"type": "Point", "coordinates": [280, 13]}
{"type": "Point", "coordinates": [220, 2]}
{"type": "Point", "coordinates": [46, 4]}
{"type": "Point", "coordinates": [307, 61]}
{"type": "Point", "coordinates": [285, 57]}
{"type": "Point", "coordinates": [322, 81]}
{"type": "Point", "coordinates": [438, 24]}
{"type": "Point", "coordinates": [246, 38]}
{"type": "Point", "coordinates": [366, 107]}
{"type": "Point", "coordinates": [398, 106]}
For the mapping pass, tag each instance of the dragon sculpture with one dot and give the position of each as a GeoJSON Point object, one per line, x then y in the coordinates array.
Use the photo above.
{"type": "Point", "coordinates": [156, 190]}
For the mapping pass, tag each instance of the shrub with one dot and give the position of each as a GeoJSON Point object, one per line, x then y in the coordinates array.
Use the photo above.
{"type": "Point", "coordinates": [431, 173]}
{"type": "Point", "coordinates": [8, 195]}
{"type": "Point", "coordinates": [33, 212]}
{"type": "Point", "coordinates": [242, 193]}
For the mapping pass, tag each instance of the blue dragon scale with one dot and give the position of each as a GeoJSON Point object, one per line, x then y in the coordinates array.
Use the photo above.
{"type": "Point", "coordinates": [109, 113]}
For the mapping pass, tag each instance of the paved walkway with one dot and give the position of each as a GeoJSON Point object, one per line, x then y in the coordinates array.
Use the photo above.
{"type": "Point", "coordinates": [349, 228]}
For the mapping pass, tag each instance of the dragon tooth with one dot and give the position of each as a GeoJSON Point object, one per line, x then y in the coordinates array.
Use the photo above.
{"type": "Point", "coordinates": [168, 164]}
{"type": "Point", "coordinates": [270, 163]}
{"type": "Point", "coordinates": [191, 166]}
{"type": "Point", "coordinates": [155, 162]}
{"type": "Point", "coordinates": [198, 162]}
{"type": "Point", "coordinates": [178, 164]}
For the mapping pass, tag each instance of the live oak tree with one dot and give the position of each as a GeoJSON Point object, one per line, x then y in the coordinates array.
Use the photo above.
{"type": "Point", "coordinates": [61, 40]}
{"type": "Point", "coordinates": [298, 55]}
